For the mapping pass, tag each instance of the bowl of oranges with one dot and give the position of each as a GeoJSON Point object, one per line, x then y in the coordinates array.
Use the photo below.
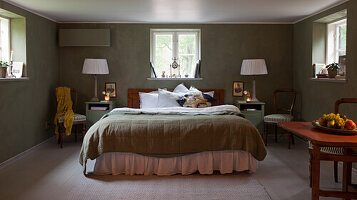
{"type": "Point", "coordinates": [336, 123]}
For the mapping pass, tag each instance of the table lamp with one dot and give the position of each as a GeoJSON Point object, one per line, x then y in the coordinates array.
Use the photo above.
{"type": "Point", "coordinates": [253, 67]}
{"type": "Point", "coordinates": [95, 67]}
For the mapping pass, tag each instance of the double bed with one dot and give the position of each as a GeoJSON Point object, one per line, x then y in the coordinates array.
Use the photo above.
{"type": "Point", "coordinates": [167, 141]}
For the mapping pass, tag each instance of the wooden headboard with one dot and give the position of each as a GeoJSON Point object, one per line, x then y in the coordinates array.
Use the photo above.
{"type": "Point", "coordinates": [134, 99]}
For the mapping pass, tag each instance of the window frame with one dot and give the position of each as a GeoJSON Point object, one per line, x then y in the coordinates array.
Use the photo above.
{"type": "Point", "coordinates": [175, 43]}
{"type": "Point", "coordinates": [8, 38]}
{"type": "Point", "coordinates": [332, 39]}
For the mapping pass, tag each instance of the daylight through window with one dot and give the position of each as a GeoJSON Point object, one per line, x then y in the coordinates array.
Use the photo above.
{"type": "Point", "coordinates": [329, 46]}
{"type": "Point", "coordinates": [336, 47]}
{"type": "Point", "coordinates": [175, 52]}
{"type": "Point", "coordinates": [4, 39]}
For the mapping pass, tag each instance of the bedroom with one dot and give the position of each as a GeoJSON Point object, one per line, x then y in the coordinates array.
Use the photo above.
{"type": "Point", "coordinates": [281, 36]}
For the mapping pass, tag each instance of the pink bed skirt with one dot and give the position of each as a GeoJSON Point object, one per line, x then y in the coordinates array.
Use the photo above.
{"type": "Point", "coordinates": [205, 163]}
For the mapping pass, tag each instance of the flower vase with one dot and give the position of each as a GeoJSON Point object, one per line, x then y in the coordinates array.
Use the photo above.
{"type": "Point", "coordinates": [3, 71]}
{"type": "Point", "coordinates": [332, 73]}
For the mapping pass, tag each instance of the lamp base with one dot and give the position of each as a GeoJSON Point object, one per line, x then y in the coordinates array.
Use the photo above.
{"type": "Point", "coordinates": [94, 99]}
{"type": "Point", "coordinates": [254, 98]}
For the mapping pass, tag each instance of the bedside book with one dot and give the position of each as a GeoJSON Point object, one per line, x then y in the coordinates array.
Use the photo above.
{"type": "Point", "coordinates": [95, 110]}
{"type": "Point", "coordinates": [99, 108]}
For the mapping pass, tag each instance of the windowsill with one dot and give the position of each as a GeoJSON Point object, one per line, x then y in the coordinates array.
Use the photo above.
{"type": "Point", "coordinates": [331, 80]}
{"type": "Point", "coordinates": [15, 79]}
{"type": "Point", "coordinates": [174, 79]}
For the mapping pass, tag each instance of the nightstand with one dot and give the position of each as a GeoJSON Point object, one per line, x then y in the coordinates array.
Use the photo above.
{"type": "Point", "coordinates": [95, 110]}
{"type": "Point", "coordinates": [253, 111]}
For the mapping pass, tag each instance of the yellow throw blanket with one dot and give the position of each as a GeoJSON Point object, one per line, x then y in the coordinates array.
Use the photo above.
{"type": "Point", "coordinates": [64, 108]}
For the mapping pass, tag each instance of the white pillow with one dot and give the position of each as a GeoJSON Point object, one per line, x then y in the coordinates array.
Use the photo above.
{"type": "Point", "coordinates": [181, 89]}
{"type": "Point", "coordinates": [148, 100]}
{"type": "Point", "coordinates": [210, 93]}
{"type": "Point", "coordinates": [168, 99]}
{"type": "Point", "coordinates": [195, 90]}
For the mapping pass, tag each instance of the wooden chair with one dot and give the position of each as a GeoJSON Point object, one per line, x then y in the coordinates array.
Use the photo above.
{"type": "Point", "coordinates": [333, 150]}
{"type": "Point", "coordinates": [78, 119]}
{"type": "Point", "coordinates": [279, 116]}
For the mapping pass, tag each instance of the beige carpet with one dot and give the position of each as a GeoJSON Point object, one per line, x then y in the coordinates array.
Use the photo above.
{"type": "Point", "coordinates": [52, 173]}
{"type": "Point", "coordinates": [198, 187]}
{"type": "Point", "coordinates": [49, 173]}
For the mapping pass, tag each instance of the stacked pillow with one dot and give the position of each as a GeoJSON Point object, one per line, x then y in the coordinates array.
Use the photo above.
{"type": "Point", "coordinates": [181, 88]}
{"type": "Point", "coordinates": [148, 99]}
{"type": "Point", "coordinates": [196, 99]}
{"type": "Point", "coordinates": [168, 99]}
{"type": "Point", "coordinates": [181, 96]}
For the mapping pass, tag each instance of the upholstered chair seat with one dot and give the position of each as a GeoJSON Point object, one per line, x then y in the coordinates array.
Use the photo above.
{"type": "Point", "coordinates": [77, 118]}
{"type": "Point", "coordinates": [275, 118]}
{"type": "Point", "coordinates": [330, 150]}
{"type": "Point", "coordinates": [334, 150]}
{"type": "Point", "coordinates": [283, 113]}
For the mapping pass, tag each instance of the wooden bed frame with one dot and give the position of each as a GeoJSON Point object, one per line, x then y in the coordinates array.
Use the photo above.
{"type": "Point", "coordinates": [134, 99]}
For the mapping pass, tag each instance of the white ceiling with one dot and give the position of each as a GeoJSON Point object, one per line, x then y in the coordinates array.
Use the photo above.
{"type": "Point", "coordinates": [176, 11]}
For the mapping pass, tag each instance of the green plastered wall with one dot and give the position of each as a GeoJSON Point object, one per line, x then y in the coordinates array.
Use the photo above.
{"type": "Point", "coordinates": [26, 106]}
{"type": "Point", "coordinates": [223, 47]}
{"type": "Point", "coordinates": [316, 98]}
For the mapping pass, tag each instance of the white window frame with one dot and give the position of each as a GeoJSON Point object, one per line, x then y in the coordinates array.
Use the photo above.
{"type": "Point", "coordinates": [175, 33]}
{"type": "Point", "coordinates": [5, 51]}
{"type": "Point", "coordinates": [332, 42]}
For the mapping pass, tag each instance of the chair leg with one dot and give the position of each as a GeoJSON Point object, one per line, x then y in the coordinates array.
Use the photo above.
{"type": "Point", "coordinates": [310, 168]}
{"type": "Point", "coordinates": [289, 140]}
{"type": "Point", "coordinates": [59, 131]}
{"type": "Point", "coordinates": [292, 139]}
{"type": "Point", "coordinates": [60, 137]}
{"type": "Point", "coordinates": [75, 134]}
{"type": "Point", "coordinates": [276, 132]}
{"type": "Point", "coordinates": [266, 133]}
{"type": "Point", "coordinates": [83, 130]}
{"type": "Point", "coordinates": [335, 171]}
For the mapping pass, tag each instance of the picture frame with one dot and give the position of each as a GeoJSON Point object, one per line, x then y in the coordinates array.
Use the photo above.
{"type": "Point", "coordinates": [238, 88]}
{"type": "Point", "coordinates": [342, 64]}
{"type": "Point", "coordinates": [318, 68]}
{"type": "Point", "coordinates": [111, 88]}
{"type": "Point", "coordinates": [17, 69]}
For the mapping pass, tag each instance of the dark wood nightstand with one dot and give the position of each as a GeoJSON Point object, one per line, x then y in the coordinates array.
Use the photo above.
{"type": "Point", "coordinates": [95, 110]}
{"type": "Point", "coordinates": [253, 111]}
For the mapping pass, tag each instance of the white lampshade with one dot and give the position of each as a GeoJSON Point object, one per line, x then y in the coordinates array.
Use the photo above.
{"type": "Point", "coordinates": [253, 67]}
{"type": "Point", "coordinates": [95, 66]}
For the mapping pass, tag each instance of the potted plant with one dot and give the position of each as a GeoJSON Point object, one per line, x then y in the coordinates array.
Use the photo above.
{"type": "Point", "coordinates": [3, 69]}
{"type": "Point", "coordinates": [332, 70]}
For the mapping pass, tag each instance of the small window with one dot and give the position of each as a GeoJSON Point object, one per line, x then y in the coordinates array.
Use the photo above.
{"type": "Point", "coordinates": [4, 39]}
{"type": "Point", "coordinates": [175, 52]}
{"type": "Point", "coordinates": [329, 45]}
{"type": "Point", "coordinates": [336, 44]}
{"type": "Point", "coordinates": [13, 46]}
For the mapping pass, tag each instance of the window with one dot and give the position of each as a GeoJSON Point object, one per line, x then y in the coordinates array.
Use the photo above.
{"type": "Point", "coordinates": [13, 37]}
{"type": "Point", "coordinates": [329, 42]}
{"type": "Point", "coordinates": [4, 39]}
{"type": "Point", "coordinates": [336, 42]}
{"type": "Point", "coordinates": [175, 52]}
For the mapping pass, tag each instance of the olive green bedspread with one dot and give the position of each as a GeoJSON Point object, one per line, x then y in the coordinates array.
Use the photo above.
{"type": "Point", "coordinates": [171, 133]}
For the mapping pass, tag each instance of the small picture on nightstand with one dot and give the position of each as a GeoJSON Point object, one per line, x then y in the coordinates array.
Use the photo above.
{"type": "Point", "coordinates": [110, 87]}
{"type": "Point", "coordinates": [238, 88]}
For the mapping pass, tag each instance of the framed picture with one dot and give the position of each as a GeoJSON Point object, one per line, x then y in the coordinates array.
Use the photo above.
{"type": "Point", "coordinates": [111, 88]}
{"type": "Point", "coordinates": [17, 68]}
{"type": "Point", "coordinates": [342, 64]}
{"type": "Point", "coordinates": [319, 68]}
{"type": "Point", "coordinates": [238, 88]}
